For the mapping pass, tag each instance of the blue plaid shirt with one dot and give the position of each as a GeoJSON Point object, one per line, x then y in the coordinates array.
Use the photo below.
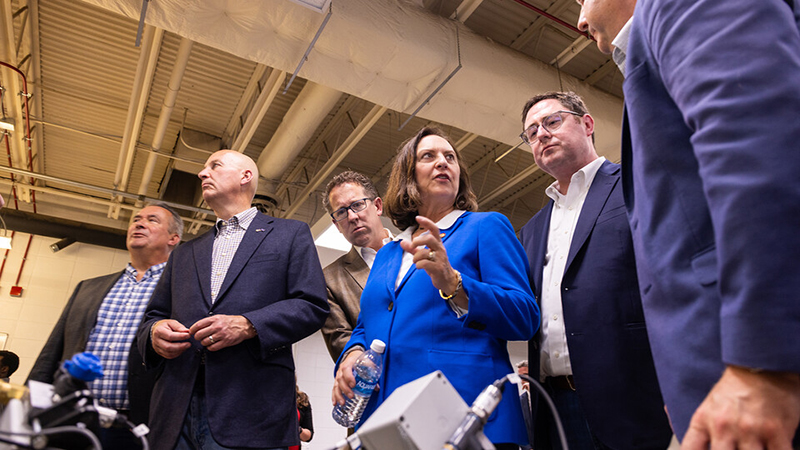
{"type": "Point", "coordinates": [112, 336]}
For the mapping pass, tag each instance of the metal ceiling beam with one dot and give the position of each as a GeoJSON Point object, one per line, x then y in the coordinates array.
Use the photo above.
{"type": "Point", "coordinates": [174, 86]}
{"type": "Point", "coordinates": [256, 115]}
{"type": "Point", "coordinates": [525, 38]}
{"type": "Point", "coordinates": [347, 146]}
{"type": "Point", "coordinates": [465, 140]}
{"type": "Point", "coordinates": [513, 181]}
{"type": "Point", "coordinates": [36, 86]}
{"type": "Point", "coordinates": [570, 52]}
{"type": "Point", "coordinates": [247, 96]}
{"type": "Point", "coordinates": [465, 9]}
{"type": "Point", "coordinates": [601, 73]}
{"type": "Point", "coordinates": [142, 82]}
{"type": "Point", "coordinates": [539, 178]}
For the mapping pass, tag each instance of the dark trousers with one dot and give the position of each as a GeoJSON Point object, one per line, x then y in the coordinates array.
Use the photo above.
{"type": "Point", "coordinates": [576, 429]}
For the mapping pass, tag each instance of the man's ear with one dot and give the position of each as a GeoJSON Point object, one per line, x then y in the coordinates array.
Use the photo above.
{"type": "Point", "coordinates": [588, 124]}
{"type": "Point", "coordinates": [378, 205]}
{"type": "Point", "coordinates": [247, 176]}
{"type": "Point", "coordinates": [174, 240]}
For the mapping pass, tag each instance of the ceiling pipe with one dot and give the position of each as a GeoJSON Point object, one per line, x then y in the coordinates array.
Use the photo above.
{"type": "Point", "coordinates": [389, 52]}
{"type": "Point", "coordinates": [110, 192]}
{"type": "Point", "coordinates": [173, 88]}
{"type": "Point", "coordinates": [299, 124]}
{"type": "Point", "coordinates": [555, 19]}
{"type": "Point", "coordinates": [142, 82]}
{"type": "Point", "coordinates": [347, 146]}
{"type": "Point", "coordinates": [13, 91]}
{"type": "Point", "coordinates": [105, 202]}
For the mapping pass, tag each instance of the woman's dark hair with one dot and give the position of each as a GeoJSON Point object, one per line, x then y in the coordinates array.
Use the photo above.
{"type": "Point", "coordinates": [403, 197]}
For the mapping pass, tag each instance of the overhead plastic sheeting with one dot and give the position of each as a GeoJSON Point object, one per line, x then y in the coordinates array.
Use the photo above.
{"type": "Point", "coordinates": [389, 52]}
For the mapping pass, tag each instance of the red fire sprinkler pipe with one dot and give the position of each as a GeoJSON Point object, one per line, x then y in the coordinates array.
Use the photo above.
{"type": "Point", "coordinates": [554, 19]}
{"type": "Point", "coordinates": [27, 125]}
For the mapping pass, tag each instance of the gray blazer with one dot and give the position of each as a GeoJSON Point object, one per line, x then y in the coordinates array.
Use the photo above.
{"type": "Point", "coordinates": [345, 279]}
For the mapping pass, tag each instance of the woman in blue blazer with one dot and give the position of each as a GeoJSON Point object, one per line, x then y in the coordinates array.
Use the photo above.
{"type": "Point", "coordinates": [449, 292]}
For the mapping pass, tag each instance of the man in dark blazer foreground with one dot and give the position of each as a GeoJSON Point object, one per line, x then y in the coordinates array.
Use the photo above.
{"type": "Point", "coordinates": [710, 177]}
{"type": "Point", "coordinates": [591, 353]}
{"type": "Point", "coordinates": [153, 233]}
{"type": "Point", "coordinates": [355, 208]}
{"type": "Point", "coordinates": [223, 319]}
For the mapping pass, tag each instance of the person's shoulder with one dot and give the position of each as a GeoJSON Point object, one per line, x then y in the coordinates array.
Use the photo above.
{"type": "Point", "coordinates": [337, 264]}
{"type": "Point", "coordinates": [103, 278]}
{"type": "Point", "coordinates": [485, 218]}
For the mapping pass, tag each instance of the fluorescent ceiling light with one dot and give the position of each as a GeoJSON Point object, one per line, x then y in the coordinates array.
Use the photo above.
{"type": "Point", "coordinates": [331, 238]}
{"type": "Point", "coordinates": [5, 242]}
{"type": "Point", "coordinates": [7, 124]}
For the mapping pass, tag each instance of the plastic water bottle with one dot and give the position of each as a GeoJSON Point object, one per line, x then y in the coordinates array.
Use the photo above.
{"type": "Point", "coordinates": [367, 370]}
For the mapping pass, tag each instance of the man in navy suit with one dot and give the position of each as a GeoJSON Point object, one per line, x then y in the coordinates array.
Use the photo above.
{"type": "Point", "coordinates": [223, 319]}
{"type": "Point", "coordinates": [592, 353]}
{"type": "Point", "coordinates": [710, 179]}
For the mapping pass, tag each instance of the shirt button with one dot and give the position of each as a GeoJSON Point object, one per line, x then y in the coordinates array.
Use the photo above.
{"type": "Point", "coordinates": [555, 316]}
{"type": "Point", "coordinates": [111, 346]}
{"type": "Point", "coordinates": [391, 305]}
{"type": "Point", "coordinates": [557, 354]}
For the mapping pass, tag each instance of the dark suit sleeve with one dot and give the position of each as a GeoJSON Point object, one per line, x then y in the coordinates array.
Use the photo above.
{"type": "Point", "coordinates": [50, 357]}
{"type": "Point", "coordinates": [160, 307]}
{"type": "Point", "coordinates": [303, 311]}
{"type": "Point", "coordinates": [732, 68]}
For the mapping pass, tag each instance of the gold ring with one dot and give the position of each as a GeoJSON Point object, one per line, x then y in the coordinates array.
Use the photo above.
{"type": "Point", "coordinates": [211, 338]}
{"type": "Point", "coordinates": [432, 255]}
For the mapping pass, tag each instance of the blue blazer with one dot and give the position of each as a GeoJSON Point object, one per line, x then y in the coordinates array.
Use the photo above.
{"type": "Point", "coordinates": [275, 280]}
{"type": "Point", "coordinates": [711, 152]}
{"type": "Point", "coordinates": [606, 335]}
{"type": "Point", "coordinates": [422, 334]}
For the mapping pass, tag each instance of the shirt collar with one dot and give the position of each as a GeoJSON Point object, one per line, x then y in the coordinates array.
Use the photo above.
{"type": "Point", "coordinates": [385, 241]}
{"type": "Point", "coordinates": [443, 224]}
{"type": "Point", "coordinates": [242, 220]}
{"type": "Point", "coordinates": [154, 270]}
{"type": "Point", "coordinates": [620, 44]}
{"type": "Point", "coordinates": [582, 179]}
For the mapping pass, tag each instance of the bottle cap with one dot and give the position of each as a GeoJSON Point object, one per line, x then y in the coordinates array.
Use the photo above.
{"type": "Point", "coordinates": [84, 366]}
{"type": "Point", "coordinates": [377, 346]}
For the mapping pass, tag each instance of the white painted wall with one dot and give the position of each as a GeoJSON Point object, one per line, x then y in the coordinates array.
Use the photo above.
{"type": "Point", "coordinates": [48, 280]}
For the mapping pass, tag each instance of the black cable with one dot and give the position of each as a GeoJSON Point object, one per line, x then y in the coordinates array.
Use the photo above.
{"type": "Point", "coordinates": [561, 435]}
{"type": "Point", "coordinates": [52, 431]}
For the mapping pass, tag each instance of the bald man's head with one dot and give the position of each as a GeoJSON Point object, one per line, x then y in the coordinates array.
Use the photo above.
{"type": "Point", "coordinates": [229, 178]}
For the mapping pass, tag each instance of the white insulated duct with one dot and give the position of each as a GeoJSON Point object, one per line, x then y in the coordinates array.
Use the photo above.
{"type": "Point", "coordinates": [389, 52]}
{"type": "Point", "coordinates": [299, 123]}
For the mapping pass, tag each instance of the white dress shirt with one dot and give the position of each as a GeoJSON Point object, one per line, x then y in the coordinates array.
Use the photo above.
{"type": "Point", "coordinates": [620, 43]}
{"type": "Point", "coordinates": [368, 254]}
{"type": "Point", "coordinates": [554, 353]}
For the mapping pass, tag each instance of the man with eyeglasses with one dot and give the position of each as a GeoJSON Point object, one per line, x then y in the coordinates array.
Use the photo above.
{"type": "Point", "coordinates": [591, 353]}
{"type": "Point", "coordinates": [355, 208]}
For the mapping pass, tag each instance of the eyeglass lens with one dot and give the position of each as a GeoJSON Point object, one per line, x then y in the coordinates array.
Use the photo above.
{"type": "Point", "coordinates": [550, 123]}
{"type": "Point", "coordinates": [357, 206]}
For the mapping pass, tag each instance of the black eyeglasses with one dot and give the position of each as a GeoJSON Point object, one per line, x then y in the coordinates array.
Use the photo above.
{"type": "Point", "coordinates": [550, 123]}
{"type": "Point", "coordinates": [357, 206]}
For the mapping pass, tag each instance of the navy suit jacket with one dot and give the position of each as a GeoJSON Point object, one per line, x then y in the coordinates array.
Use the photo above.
{"type": "Point", "coordinates": [422, 334]}
{"type": "Point", "coordinates": [275, 281]}
{"type": "Point", "coordinates": [606, 335]}
{"type": "Point", "coordinates": [711, 152]}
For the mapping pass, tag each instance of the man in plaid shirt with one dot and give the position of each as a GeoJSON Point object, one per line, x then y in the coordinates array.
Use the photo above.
{"type": "Point", "coordinates": [102, 317]}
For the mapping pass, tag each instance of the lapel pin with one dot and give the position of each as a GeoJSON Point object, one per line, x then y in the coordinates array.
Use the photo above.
{"type": "Point", "coordinates": [441, 235]}
{"type": "Point", "coordinates": [259, 229]}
